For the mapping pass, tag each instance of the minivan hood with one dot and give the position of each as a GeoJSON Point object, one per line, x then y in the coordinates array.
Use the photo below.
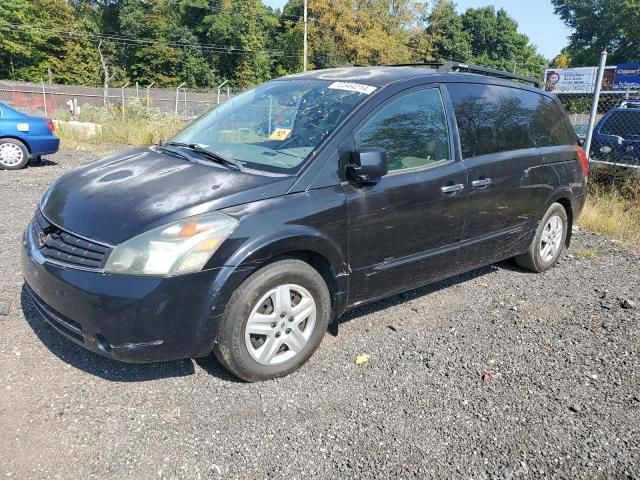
{"type": "Point", "coordinates": [121, 196]}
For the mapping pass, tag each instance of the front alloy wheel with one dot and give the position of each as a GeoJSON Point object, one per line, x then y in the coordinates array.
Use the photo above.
{"type": "Point", "coordinates": [280, 324]}
{"type": "Point", "coordinates": [274, 321]}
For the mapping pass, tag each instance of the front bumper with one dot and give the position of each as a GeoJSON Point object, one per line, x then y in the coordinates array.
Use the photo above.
{"type": "Point", "coordinates": [127, 318]}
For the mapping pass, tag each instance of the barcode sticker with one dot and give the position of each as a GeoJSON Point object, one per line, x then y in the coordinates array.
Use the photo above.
{"type": "Point", "coordinates": [353, 87]}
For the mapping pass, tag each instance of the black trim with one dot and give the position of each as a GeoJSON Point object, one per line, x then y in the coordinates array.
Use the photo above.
{"type": "Point", "coordinates": [419, 257]}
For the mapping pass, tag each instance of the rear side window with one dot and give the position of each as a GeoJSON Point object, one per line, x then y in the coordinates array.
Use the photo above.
{"type": "Point", "coordinates": [549, 125]}
{"type": "Point", "coordinates": [493, 119]}
{"type": "Point", "coordinates": [412, 129]}
{"type": "Point", "coordinates": [625, 124]}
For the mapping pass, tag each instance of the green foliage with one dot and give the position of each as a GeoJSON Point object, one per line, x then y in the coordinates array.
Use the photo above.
{"type": "Point", "coordinates": [447, 33]}
{"type": "Point", "coordinates": [204, 42]}
{"type": "Point", "coordinates": [600, 24]}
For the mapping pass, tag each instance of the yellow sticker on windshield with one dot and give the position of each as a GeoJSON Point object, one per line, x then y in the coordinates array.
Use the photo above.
{"type": "Point", "coordinates": [280, 134]}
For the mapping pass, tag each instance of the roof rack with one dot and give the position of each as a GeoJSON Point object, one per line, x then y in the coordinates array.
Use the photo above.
{"type": "Point", "coordinates": [464, 67]}
{"type": "Point", "coordinates": [419, 64]}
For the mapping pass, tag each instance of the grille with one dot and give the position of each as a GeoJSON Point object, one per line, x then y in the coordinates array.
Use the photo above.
{"type": "Point", "coordinates": [63, 247]}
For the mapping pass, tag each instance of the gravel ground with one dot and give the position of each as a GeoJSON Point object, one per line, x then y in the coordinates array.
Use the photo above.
{"type": "Point", "coordinates": [498, 373]}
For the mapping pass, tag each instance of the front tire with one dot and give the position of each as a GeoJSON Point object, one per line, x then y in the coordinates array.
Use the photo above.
{"type": "Point", "coordinates": [274, 321]}
{"type": "Point", "coordinates": [549, 242]}
{"type": "Point", "coordinates": [13, 154]}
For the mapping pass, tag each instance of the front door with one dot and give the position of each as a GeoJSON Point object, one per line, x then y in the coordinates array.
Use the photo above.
{"type": "Point", "coordinates": [405, 228]}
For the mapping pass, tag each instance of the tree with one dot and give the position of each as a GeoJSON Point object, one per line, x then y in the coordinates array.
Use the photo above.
{"type": "Point", "coordinates": [561, 61]}
{"type": "Point", "coordinates": [599, 25]}
{"type": "Point", "coordinates": [446, 32]}
{"type": "Point", "coordinates": [496, 42]}
{"type": "Point", "coordinates": [372, 32]}
{"type": "Point", "coordinates": [241, 27]}
{"type": "Point", "coordinates": [35, 42]}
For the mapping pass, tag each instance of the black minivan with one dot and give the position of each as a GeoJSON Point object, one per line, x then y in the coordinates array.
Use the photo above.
{"type": "Point", "coordinates": [258, 225]}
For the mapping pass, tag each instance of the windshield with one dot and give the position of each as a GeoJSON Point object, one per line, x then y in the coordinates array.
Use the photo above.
{"type": "Point", "coordinates": [625, 124]}
{"type": "Point", "coordinates": [277, 125]}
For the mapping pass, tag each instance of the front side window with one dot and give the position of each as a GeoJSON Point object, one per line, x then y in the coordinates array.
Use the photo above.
{"type": "Point", "coordinates": [277, 125]}
{"type": "Point", "coordinates": [412, 130]}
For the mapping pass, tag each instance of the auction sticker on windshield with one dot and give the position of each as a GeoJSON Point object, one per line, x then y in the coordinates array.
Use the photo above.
{"type": "Point", "coordinates": [353, 87]}
{"type": "Point", "coordinates": [280, 134]}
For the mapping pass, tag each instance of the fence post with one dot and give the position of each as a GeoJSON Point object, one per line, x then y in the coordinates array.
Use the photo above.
{"type": "Point", "coordinates": [148, 88]}
{"type": "Point", "coordinates": [44, 98]}
{"type": "Point", "coordinates": [596, 100]}
{"type": "Point", "coordinates": [185, 101]}
{"type": "Point", "coordinates": [122, 96]}
{"type": "Point", "coordinates": [137, 92]}
{"type": "Point", "coordinates": [219, 87]}
{"type": "Point", "coordinates": [175, 111]}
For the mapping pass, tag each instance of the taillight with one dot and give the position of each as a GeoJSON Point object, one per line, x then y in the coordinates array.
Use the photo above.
{"type": "Point", "coordinates": [50, 125]}
{"type": "Point", "coordinates": [584, 161]}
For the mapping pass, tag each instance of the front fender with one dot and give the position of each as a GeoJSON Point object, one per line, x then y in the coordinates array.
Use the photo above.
{"type": "Point", "coordinates": [311, 222]}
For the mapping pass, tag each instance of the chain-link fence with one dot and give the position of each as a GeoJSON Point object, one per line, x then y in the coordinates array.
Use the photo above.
{"type": "Point", "coordinates": [615, 138]}
{"type": "Point", "coordinates": [58, 101]}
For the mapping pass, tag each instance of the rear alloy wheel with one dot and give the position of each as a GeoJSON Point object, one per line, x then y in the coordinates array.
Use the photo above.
{"type": "Point", "coordinates": [549, 241]}
{"type": "Point", "coordinates": [274, 321]}
{"type": "Point", "coordinates": [13, 154]}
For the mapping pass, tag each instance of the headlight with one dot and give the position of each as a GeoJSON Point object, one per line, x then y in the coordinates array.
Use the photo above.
{"type": "Point", "coordinates": [605, 149]}
{"type": "Point", "coordinates": [173, 249]}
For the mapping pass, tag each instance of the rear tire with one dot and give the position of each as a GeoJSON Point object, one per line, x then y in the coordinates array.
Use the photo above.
{"type": "Point", "coordinates": [274, 321]}
{"type": "Point", "coordinates": [13, 154]}
{"type": "Point", "coordinates": [549, 242]}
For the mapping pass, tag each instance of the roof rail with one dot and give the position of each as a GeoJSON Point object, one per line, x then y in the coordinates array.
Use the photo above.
{"type": "Point", "coordinates": [492, 72]}
{"type": "Point", "coordinates": [419, 64]}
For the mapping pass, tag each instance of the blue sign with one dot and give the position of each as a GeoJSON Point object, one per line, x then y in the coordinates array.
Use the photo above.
{"type": "Point", "coordinates": [627, 76]}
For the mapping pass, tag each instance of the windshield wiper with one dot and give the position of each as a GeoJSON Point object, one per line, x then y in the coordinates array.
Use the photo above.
{"type": "Point", "coordinates": [171, 151]}
{"type": "Point", "coordinates": [216, 157]}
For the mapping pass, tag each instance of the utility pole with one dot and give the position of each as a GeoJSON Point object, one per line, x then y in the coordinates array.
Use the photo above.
{"type": "Point", "coordinates": [304, 55]}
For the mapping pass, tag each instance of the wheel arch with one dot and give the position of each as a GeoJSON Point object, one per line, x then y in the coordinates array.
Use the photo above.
{"type": "Point", "coordinates": [565, 199]}
{"type": "Point", "coordinates": [21, 140]}
{"type": "Point", "coordinates": [316, 250]}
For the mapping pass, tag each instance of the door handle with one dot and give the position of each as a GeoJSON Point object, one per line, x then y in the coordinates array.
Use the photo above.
{"type": "Point", "coordinates": [452, 188]}
{"type": "Point", "coordinates": [483, 182]}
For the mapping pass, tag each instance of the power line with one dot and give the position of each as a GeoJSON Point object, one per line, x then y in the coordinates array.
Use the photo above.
{"type": "Point", "coordinates": [130, 41]}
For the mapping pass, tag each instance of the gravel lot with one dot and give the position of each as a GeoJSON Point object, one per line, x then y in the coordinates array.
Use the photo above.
{"type": "Point", "coordinates": [498, 373]}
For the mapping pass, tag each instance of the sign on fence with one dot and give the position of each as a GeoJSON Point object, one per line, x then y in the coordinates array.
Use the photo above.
{"type": "Point", "coordinates": [627, 76]}
{"type": "Point", "coordinates": [576, 80]}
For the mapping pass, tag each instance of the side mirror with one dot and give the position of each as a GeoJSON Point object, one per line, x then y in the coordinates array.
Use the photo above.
{"type": "Point", "coordinates": [368, 164]}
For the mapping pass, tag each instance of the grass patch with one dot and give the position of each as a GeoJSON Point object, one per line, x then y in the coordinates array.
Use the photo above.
{"type": "Point", "coordinates": [138, 127]}
{"type": "Point", "coordinates": [613, 205]}
{"type": "Point", "coordinates": [587, 253]}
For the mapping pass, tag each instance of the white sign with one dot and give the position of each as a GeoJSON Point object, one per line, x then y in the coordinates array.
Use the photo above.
{"type": "Point", "coordinates": [570, 80]}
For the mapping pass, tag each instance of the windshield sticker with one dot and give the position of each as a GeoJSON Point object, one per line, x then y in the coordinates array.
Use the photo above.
{"type": "Point", "coordinates": [280, 134]}
{"type": "Point", "coordinates": [353, 87]}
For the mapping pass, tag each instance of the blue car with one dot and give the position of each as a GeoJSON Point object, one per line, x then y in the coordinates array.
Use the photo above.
{"type": "Point", "coordinates": [23, 137]}
{"type": "Point", "coordinates": [616, 138]}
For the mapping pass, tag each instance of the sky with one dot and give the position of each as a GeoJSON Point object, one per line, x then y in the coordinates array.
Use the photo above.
{"type": "Point", "coordinates": [535, 19]}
